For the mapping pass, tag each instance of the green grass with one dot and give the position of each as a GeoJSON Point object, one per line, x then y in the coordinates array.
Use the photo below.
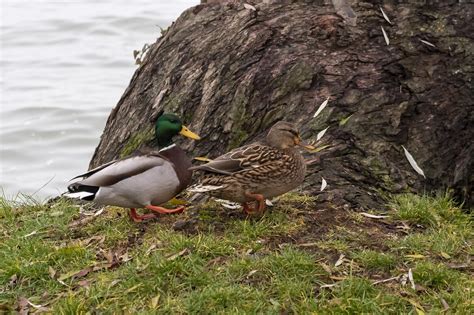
{"type": "Point", "coordinates": [283, 261]}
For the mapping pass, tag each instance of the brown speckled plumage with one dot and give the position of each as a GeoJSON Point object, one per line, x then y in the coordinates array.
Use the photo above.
{"type": "Point", "coordinates": [268, 168]}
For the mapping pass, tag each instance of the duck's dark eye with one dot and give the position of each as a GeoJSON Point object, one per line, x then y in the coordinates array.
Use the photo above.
{"type": "Point", "coordinates": [295, 133]}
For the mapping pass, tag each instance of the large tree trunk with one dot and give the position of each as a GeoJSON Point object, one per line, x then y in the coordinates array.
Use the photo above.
{"type": "Point", "coordinates": [231, 72]}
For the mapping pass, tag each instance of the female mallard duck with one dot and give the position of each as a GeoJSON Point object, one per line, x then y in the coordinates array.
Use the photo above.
{"type": "Point", "coordinates": [142, 181]}
{"type": "Point", "coordinates": [256, 171]}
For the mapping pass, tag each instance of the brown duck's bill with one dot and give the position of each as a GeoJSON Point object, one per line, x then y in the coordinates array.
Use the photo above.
{"type": "Point", "coordinates": [188, 133]}
{"type": "Point", "coordinates": [304, 145]}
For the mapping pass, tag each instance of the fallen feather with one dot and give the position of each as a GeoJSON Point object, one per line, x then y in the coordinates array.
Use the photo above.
{"type": "Point", "coordinates": [413, 163]}
{"type": "Point", "coordinates": [323, 184]}
{"type": "Point", "coordinates": [385, 36]}
{"type": "Point", "coordinates": [385, 16]}
{"type": "Point", "coordinates": [340, 260]}
{"type": "Point", "coordinates": [321, 134]}
{"type": "Point", "coordinates": [427, 43]}
{"type": "Point", "coordinates": [269, 203]}
{"type": "Point", "coordinates": [249, 7]}
{"type": "Point", "coordinates": [328, 285]}
{"type": "Point", "coordinates": [321, 107]}
{"type": "Point", "coordinates": [410, 277]}
{"type": "Point", "coordinates": [374, 216]}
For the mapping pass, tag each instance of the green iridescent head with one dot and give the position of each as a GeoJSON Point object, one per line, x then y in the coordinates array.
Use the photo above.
{"type": "Point", "coordinates": [169, 125]}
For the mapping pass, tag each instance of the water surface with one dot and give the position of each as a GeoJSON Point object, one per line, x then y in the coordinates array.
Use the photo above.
{"type": "Point", "coordinates": [63, 66]}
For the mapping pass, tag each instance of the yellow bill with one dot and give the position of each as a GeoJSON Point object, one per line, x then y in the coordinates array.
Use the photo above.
{"type": "Point", "coordinates": [304, 145]}
{"type": "Point", "coordinates": [188, 133]}
{"type": "Point", "coordinates": [202, 159]}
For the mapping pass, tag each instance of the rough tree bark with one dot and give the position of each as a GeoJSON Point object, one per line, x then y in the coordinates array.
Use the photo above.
{"type": "Point", "coordinates": [231, 72]}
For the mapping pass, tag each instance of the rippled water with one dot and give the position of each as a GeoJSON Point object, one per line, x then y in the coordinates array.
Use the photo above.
{"type": "Point", "coordinates": [64, 64]}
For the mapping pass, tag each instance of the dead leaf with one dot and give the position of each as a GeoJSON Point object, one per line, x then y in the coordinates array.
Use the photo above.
{"type": "Point", "coordinates": [324, 184]}
{"type": "Point", "coordinates": [181, 253]}
{"type": "Point", "coordinates": [52, 272]}
{"type": "Point", "coordinates": [30, 234]}
{"type": "Point", "coordinates": [419, 309]}
{"type": "Point", "coordinates": [386, 280]}
{"type": "Point", "coordinates": [385, 16]}
{"type": "Point", "coordinates": [84, 283]}
{"type": "Point", "coordinates": [385, 36]}
{"type": "Point", "coordinates": [326, 267]}
{"type": "Point", "coordinates": [154, 301]}
{"type": "Point", "coordinates": [410, 277]}
{"type": "Point", "coordinates": [321, 134]}
{"type": "Point", "coordinates": [150, 249]}
{"type": "Point", "coordinates": [81, 221]}
{"type": "Point", "coordinates": [427, 43]}
{"type": "Point", "coordinates": [415, 256]}
{"type": "Point", "coordinates": [344, 121]}
{"type": "Point", "coordinates": [445, 304]}
{"type": "Point", "coordinates": [75, 274]}
{"type": "Point", "coordinates": [321, 107]}
{"type": "Point", "coordinates": [328, 285]}
{"type": "Point", "coordinates": [252, 272]}
{"type": "Point", "coordinates": [13, 280]}
{"type": "Point", "coordinates": [413, 163]}
{"type": "Point", "coordinates": [445, 255]}
{"type": "Point", "coordinates": [340, 260]}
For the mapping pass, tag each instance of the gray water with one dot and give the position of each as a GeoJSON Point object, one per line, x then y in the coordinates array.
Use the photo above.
{"type": "Point", "coordinates": [63, 66]}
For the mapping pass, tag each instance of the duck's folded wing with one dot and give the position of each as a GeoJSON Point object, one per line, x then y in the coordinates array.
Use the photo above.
{"type": "Point", "coordinates": [247, 157]}
{"type": "Point", "coordinates": [123, 169]}
{"type": "Point", "coordinates": [95, 170]}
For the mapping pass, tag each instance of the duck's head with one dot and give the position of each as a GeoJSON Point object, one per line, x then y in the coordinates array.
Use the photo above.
{"type": "Point", "coordinates": [284, 135]}
{"type": "Point", "coordinates": [169, 125]}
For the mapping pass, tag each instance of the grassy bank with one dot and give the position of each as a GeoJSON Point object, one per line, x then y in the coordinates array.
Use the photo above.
{"type": "Point", "coordinates": [297, 258]}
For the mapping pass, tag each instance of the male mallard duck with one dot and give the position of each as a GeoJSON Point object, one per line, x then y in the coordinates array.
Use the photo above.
{"type": "Point", "coordinates": [256, 171]}
{"type": "Point", "coordinates": [142, 181]}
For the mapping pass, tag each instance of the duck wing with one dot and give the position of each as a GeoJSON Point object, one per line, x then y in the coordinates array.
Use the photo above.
{"type": "Point", "coordinates": [116, 171]}
{"type": "Point", "coordinates": [95, 170]}
{"type": "Point", "coordinates": [246, 157]}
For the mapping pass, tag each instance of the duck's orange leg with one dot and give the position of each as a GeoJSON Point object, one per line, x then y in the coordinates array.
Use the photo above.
{"type": "Point", "coordinates": [162, 210]}
{"type": "Point", "coordinates": [260, 199]}
{"type": "Point", "coordinates": [140, 218]}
